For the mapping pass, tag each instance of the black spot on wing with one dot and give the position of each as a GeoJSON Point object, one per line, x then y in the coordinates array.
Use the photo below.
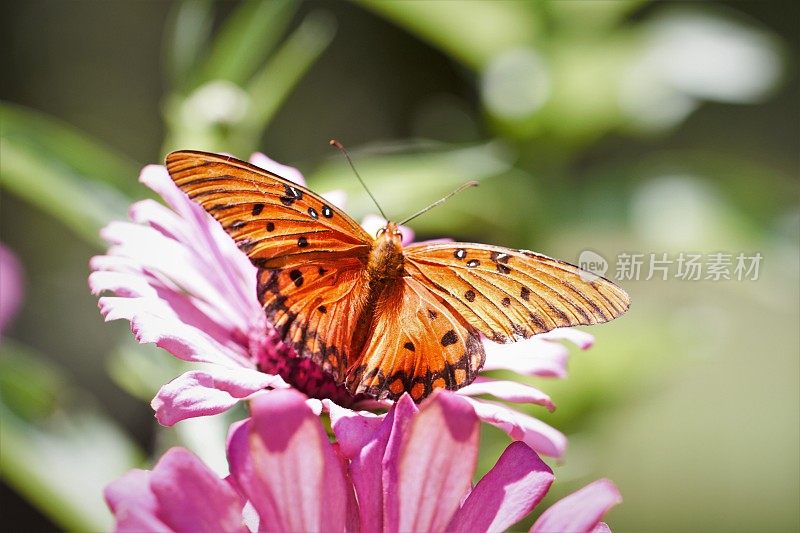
{"type": "Point", "coordinates": [297, 277]}
{"type": "Point", "coordinates": [292, 194]}
{"type": "Point", "coordinates": [525, 293]}
{"type": "Point", "coordinates": [449, 338]}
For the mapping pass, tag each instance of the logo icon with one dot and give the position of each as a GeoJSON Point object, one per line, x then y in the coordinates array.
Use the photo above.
{"type": "Point", "coordinates": [592, 264]}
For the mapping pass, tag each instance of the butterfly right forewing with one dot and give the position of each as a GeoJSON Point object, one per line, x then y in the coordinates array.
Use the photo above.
{"type": "Point", "coordinates": [509, 294]}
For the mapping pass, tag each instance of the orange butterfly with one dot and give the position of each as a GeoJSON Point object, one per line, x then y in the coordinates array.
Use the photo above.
{"type": "Point", "coordinates": [382, 318]}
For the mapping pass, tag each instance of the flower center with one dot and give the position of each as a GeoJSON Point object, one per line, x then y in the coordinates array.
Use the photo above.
{"type": "Point", "coordinates": [272, 356]}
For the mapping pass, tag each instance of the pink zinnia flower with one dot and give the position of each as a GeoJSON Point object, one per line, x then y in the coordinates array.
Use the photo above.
{"type": "Point", "coordinates": [11, 287]}
{"type": "Point", "coordinates": [184, 285]}
{"type": "Point", "coordinates": [409, 471]}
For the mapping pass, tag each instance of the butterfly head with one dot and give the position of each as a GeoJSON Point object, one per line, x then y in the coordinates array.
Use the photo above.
{"type": "Point", "coordinates": [390, 234]}
{"type": "Point", "coordinates": [386, 256]}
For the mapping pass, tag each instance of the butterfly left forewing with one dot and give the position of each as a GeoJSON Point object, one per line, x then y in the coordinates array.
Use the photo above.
{"type": "Point", "coordinates": [310, 255]}
{"type": "Point", "coordinates": [508, 294]}
{"type": "Point", "coordinates": [276, 222]}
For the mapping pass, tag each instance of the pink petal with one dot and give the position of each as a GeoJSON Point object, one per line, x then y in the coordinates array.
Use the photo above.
{"type": "Point", "coordinates": [120, 283]}
{"type": "Point", "coordinates": [506, 494]}
{"type": "Point", "coordinates": [602, 527]}
{"type": "Point", "coordinates": [337, 197]}
{"type": "Point", "coordinates": [577, 337]}
{"type": "Point", "coordinates": [223, 263]}
{"type": "Point", "coordinates": [214, 280]}
{"type": "Point", "coordinates": [133, 504]}
{"type": "Point", "coordinates": [353, 429]}
{"type": "Point", "coordinates": [367, 454]}
{"type": "Point", "coordinates": [283, 463]}
{"type": "Point", "coordinates": [11, 286]}
{"type": "Point", "coordinates": [510, 391]}
{"type": "Point", "coordinates": [428, 475]}
{"type": "Point", "coordinates": [191, 497]}
{"type": "Point", "coordinates": [153, 321]}
{"type": "Point", "coordinates": [140, 301]}
{"type": "Point", "coordinates": [201, 393]}
{"type": "Point", "coordinates": [532, 357]}
{"type": "Point", "coordinates": [284, 171]}
{"type": "Point", "coordinates": [580, 511]}
{"type": "Point", "coordinates": [352, 519]}
{"type": "Point", "coordinates": [542, 438]}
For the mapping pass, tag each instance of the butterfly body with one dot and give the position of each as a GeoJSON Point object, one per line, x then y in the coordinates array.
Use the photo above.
{"type": "Point", "coordinates": [382, 274]}
{"type": "Point", "coordinates": [381, 318]}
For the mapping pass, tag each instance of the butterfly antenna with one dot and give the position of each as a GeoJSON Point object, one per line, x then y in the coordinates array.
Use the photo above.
{"type": "Point", "coordinates": [467, 185]}
{"type": "Point", "coordinates": [336, 144]}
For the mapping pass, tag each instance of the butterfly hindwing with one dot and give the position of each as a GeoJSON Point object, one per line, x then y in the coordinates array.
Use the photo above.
{"type": "Point", "coordinates": [508, 294]}
{"type": "Point", "coordinates": [276, 222]}
{"type": "Point", "coordinates": [314, 309]}
{"type": "Point", "coordinates": [417, 344]}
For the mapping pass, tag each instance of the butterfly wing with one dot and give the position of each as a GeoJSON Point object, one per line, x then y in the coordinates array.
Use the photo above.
{"type": "Point", "coordinates": [315, 310]}
{"type": "Point", "coordinates": [507, 294]}
{"type": "Point", "coordinates": [417, 344]}
{"type": "Point", "coordinates": [276, 222]}
{"type": "Point", "coordinates": [310, 255]}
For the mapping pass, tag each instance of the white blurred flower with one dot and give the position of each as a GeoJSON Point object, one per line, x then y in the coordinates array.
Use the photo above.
{"type": "Point", "coordinates": [688, 56]}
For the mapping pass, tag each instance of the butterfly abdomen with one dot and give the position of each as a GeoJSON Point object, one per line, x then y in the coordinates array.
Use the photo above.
{"type": "Point", "coordinates": [383, 272]}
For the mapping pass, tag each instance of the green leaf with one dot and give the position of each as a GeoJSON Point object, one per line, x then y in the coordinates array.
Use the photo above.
{"type": "Point", "coordinates": [584, 16]}
{"type": "Point", "coordinates": [246, 40]}
{"type": "Point", "coordinates": [62, 462]}
{"type": "Point", "coordinates": [271, 86]}
{"type": "Point", "coordinates": [142, 369]}
{"type": "Point", "coordinates": [84, 206]}
{"type": "Point", "coordinates": [406, 182]}
{"type": "Point", "coordinates": [54, 140]}
{"type": "Point", "coordinates": [471, 32]}
{"type": "Point", "coordinates": [221, 116]}
{"type": "Point", "coordinates": [63, 173]}
{"type": "Point", "coordinates": [187, 39]}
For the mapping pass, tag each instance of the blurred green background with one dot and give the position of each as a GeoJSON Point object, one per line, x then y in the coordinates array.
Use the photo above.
{"type": "Point", "coordinates": [615, 126]}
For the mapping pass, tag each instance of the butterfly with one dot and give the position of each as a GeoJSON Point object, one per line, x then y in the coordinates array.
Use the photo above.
{"type": "Point", "coordinates": [382, 318]}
